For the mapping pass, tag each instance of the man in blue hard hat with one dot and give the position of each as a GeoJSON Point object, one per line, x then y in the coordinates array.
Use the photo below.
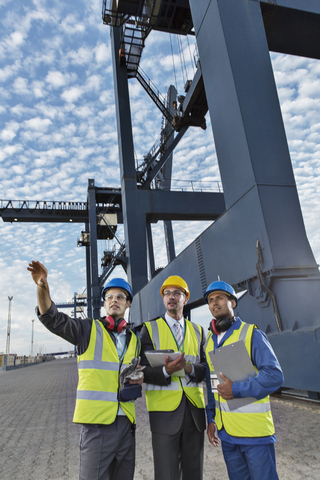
{"type": "Point", "coordinates": [105, 347]}
{"type": "Point", "coordinates": [244, 427]}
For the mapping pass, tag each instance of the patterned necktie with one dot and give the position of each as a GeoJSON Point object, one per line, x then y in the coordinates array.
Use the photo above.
{"type": "Point", "coordinates": [178, 333]}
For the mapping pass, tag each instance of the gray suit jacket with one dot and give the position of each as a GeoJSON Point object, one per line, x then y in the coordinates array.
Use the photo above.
{"type": "Point", "coordinates": [170, 422]}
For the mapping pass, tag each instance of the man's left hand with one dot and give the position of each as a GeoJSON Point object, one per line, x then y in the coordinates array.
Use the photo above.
{"type": "Point", "coordinates": [137, 382]}
{"type": "Point", "coordinates": [225, 388]}
{"type": "Point", "coordinates": [136, 377]}
{"type": "Point", "coordinates": [173, 366]}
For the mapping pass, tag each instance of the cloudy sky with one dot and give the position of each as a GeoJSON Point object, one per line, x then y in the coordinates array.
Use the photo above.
{"type": "Point", "coordinates": [58, 129]}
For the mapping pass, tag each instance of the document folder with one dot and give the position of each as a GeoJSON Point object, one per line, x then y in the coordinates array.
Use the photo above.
{"type": "Point", "coordinates": [233, 361]}
{"type": "Point", "coordinates": [156, 359]}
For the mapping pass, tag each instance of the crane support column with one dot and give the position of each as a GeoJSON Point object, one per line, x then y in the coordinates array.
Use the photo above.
{"type": "Point", "coordinates": [150, 250]}
{"type": "Point", "coordinates": [133, 207]}
{"type": "Point", "coordinates": [94, 272]}
{"type": "Point", "coordinates": [167, 174]}
{"type": "Point", "coordinates": [88, 275]}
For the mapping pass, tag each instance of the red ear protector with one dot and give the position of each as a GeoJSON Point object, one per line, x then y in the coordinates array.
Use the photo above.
{"type": "Point", "coordinates": [213, 326]}
{"type": "Point", "coordinates": [221, 325]}
{"type": "Point", "coordinates": [116, 325]}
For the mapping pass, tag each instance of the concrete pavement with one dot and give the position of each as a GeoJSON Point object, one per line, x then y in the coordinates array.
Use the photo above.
{"type": "Point", "coordinates": [38, 440]}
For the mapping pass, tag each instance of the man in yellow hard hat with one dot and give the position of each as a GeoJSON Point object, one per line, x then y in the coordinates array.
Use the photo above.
{"type": "Point", "coordinates": [174, 392]}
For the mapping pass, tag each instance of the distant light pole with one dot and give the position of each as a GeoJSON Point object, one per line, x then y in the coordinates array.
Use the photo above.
{"type": "Point", "coordinates": [9, 327]}
{"type": "Point", "coordinates": [32, 335]}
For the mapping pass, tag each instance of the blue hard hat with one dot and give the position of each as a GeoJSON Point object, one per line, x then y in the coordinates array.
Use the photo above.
{"type": "Point", "coordinates": [118, 283]}
{"type": "Point", "coordinates": [220, 286]}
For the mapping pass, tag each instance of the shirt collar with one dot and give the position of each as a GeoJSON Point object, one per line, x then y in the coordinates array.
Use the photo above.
{"type": "Point", "coordinates": [226, 335]}
{"type": "Point", "coordinates": [171, 321]}
{"type": "Point", "coordinates": [124, 332]}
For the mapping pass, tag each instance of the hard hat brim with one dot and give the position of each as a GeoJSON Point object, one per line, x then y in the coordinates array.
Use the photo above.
{"type": "Point", "coordinates": [232, 297]}
{"type": "Point", "coordinates": [175, 286]}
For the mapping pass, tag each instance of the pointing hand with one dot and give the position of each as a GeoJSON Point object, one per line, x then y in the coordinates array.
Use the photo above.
{"type": "Point", "coordinates": [39, 273]}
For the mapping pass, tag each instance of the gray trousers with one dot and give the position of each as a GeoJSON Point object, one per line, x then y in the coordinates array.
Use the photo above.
{"type": "Point", "coordinates": [179, 455]}
{"type": "Point", "coordinates": [107, 452]}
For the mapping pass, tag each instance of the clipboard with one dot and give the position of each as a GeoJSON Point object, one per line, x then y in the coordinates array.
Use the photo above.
{"type": "Point", "coordinates": [234, 362]}
{"type": "Point", "coordinates": [156, 359]}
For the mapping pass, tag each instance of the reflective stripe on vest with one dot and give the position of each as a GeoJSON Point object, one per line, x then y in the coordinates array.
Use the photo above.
{"type": "Point", "coordinates": [99, 364]}
{"type": "Point", "coordinates": [236, 416]}
{"type": "Point", "coordinates": [168, 398]}
{"type": "Point", "coordinates": [98, 367]}
{"type": "Point", "coordinates": [94, 395]}
{"type": "Point", "coordinates": [251, 408]}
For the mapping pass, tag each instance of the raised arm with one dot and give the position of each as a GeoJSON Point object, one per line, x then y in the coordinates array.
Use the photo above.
{"type": "Point", "coordinates": [39, 274]}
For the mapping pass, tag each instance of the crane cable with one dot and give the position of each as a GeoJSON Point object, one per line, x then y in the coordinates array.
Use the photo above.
{"type": "Point", "coordinates": [193, 62]}
{"type": "Point", "coordinates": [174, 69]}
{"type": "Point", "coordinates": [182, 61]}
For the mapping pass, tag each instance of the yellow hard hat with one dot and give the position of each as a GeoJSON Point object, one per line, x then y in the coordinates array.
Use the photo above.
{"type": "Point", "coordinates": [175, 281]}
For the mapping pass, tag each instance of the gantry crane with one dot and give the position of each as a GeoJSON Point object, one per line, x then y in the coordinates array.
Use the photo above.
{"type": "Point", "coordinates": [258, 241]}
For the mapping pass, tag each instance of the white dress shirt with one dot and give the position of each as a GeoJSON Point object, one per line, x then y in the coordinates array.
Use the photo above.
{"type": "Point", "coordinates": [171, 322]}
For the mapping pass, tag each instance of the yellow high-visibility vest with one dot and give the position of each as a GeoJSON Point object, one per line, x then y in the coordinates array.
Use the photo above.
{"type": "Point", "coordinates": [238, 420]}
{"type": "Point", "coordinates": [98, 368]}
{"type": "Point", "coordinates": [168, 398]}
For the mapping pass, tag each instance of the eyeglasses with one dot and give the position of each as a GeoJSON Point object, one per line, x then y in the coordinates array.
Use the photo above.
{"type": "Point", "coordinates": [175, 293]}
{"type": "Point", "coordinates": [119, 297]}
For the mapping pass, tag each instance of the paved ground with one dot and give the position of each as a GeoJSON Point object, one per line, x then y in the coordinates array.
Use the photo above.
{"type": "Point", "coordinates": [38, 440]}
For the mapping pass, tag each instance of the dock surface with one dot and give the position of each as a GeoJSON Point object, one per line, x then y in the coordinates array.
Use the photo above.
{"type": "Point", "coordinates": [38, 440]}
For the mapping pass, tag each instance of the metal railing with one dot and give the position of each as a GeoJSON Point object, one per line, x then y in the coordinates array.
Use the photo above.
{"type": "Point", "coordinates": [195, 186]}
{"type": "Point", "coordinates": [32, 205]}
{"type": "Point", "coordinates": [154, 94]}
{"type": "Point", "coordinates": [11, 362]}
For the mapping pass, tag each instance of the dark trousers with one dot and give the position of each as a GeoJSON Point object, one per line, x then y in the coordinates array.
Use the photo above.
{"type": "Point", "coordinates": [107, 452]}
{"type": "Point", "coordinates": [250, 462]}
{"type": "Point", "coordinates": [179, 456]}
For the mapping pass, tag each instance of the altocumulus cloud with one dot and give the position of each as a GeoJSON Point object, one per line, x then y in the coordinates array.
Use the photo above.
{"type": "Point", "coordinates": [59, 129]}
